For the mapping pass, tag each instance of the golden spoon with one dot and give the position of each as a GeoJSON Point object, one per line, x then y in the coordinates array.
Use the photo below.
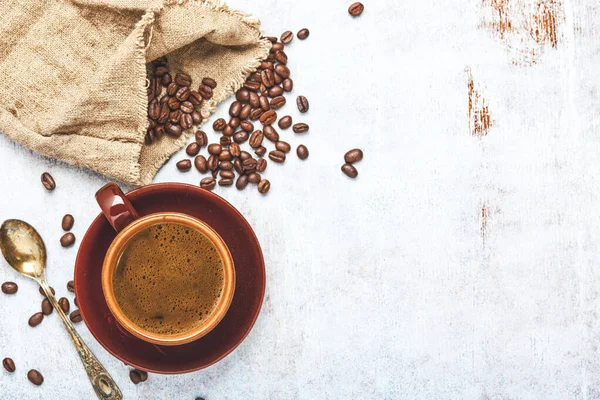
{"type": "Point", "coordinates": [24, 250]}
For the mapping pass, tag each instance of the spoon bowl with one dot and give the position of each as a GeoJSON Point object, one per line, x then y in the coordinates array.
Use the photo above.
{"type": "Point", "coordinates": [23, 248]}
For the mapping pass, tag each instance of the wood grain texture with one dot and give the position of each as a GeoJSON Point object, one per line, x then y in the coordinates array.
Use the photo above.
{"type": "Point", "coordinates": [454, 266]}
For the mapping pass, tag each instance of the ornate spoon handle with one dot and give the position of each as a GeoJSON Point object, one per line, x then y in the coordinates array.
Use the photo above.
{"type": "Point", "coordinates": [104, 386]}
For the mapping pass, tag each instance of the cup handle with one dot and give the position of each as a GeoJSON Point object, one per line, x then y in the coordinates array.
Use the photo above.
{"type": "Point", "coordinates": [115, 206]}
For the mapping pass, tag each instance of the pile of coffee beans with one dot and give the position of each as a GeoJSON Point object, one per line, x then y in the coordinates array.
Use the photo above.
{"type": "Point", "coordinates": [179, 108]}
{"type": "Point", "coordinates": [351, 157]}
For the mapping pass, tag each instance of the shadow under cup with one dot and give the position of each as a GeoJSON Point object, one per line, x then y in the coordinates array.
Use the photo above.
{"type": "Point", "coordinates": [114, 264]}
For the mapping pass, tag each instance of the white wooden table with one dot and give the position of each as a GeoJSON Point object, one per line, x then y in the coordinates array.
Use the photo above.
{"type": "Point", "coordinates": [463, 261]}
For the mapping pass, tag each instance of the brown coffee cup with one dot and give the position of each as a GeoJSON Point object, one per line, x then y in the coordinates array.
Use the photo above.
{"type": "Point", "coordinates": [126, 221]}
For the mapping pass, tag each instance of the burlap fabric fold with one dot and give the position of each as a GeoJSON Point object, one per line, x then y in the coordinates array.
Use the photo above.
{"type": "Point", "coordinates": [74, 74]}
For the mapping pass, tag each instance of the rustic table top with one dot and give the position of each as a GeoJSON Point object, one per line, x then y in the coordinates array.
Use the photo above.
{"type": "Point", "coordinates": [459, 264]}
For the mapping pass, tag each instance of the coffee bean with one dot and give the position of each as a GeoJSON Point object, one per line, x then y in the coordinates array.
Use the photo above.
{"type": "Point", "coordinates": [249, 165]}
{"type": "Point", "coordinates": [208, 183]}
{"type": "Point", "coordinates": [226, 165]}
{"type": "Point", "coordinates": [213, 162]}
{"type": "Point", "coordinates": [195, 98]}
{"type": "Point", "coordinates": [224, 141]}
{"type": "Point", "coordinates": [356, 9]}
{"type": "Point", "coordinates": [75, 316]}
{"type": "Point", "coordinates": [270, 133]}
{"type": "Point", "coordinates": [174, 103]}
{"type": "Point", "coordinates": [285, 122]}
{"type": "Point", "coordinates": [225, 182]}
{"type": "Point", "coordinates": [227, 174]}
{"type": "Point", "coordinates": [288, 85]}
{"type": "Point", "coordinates": [46, 307]}
{"type": "Point", "coordinates": [278, 79]}
{"type": "Point", "coordinates": [67, 240]}
{"type": "Point", "coordinates": [235, 149]}
{"type": "Point", "coordinates": [349, 170]}
{"type": "Point", "coordinates": [135, 377]}
{"type": "Point", "coordinates": [8, 364]}
{"type": "Point", "coordinates": [240, 137]}
{"type": "Point", "coordinates": [71, 286]}
{"type": "Point", "coordinates": [225, 156]}
{"type": "Point", "coordinates": [244, 155]}
{"type": "Point", "coordinates": [353, 156]}
{"type": "Point", "coordinates": [214, 149]}
{"type": "Point", "coordinates": [256, 138]}
{"type": "Point", "coordinates": [183, 93]}
{"type": "Point", "coordinates": [150, 136]}
{"type": "Point", "coordinates": [254, 101]}
{"type": "Point", "coordinates": [283, 146]}
{"type": "Point", "coordinates": [234, 122]}
{"type": "Point", "coordinates": [245, 111]}
{"type": "Point", "coordinates": [268, 117]}
{"type": "Point", "coordinates": [281, 57]}
{"type": "Point", "coordinates": [192, 149]}
{"type": "Point", "coordinates": [264, 103]}
{"type": "Point", "coordinates": [166, 80]}
{"type": "Point", "coordinates": [159, 131]}
{"type": "Point", "coordinates": [156, 86]}
{"type": "Point", "coordinates": [35, 377]}
{"type": "Point", "coordinates": [173, 129]}
{"type": "Point", "coordinates": [175, 117]}
{"type": "Point", "coordinates": [154, 109]}
{"type": "Point", "coordinates": [235, 108]}
{"type": "Point", "coordinates": [266, 65]}
{"type": "Point", "coordinates": [201, 138]}
{"type": "Point", "coordinates": [242, 95]}
{"type": "Point", "coordinates": [48, 181]}
{"type": "Point", "coordinates": [247, 126]}
{"type": "Point", "coordinates": [196, 117]}
{"type": "Point", "coordinates": [187, 107]}
{"type": "Point", "coordinates": [242, 182]}
{"type": "Point", "coordinates": [302, 152]}
{"type": "Point", "coordinates": [36, 319]}
{"type": "Point", "coordinates": [272, 39]}
{"type": "Point", "coordinates": [237, 166]}
{"type": "Point", "coordinates": [172, 89]}
{"type": "Point", "coordinates": [229, 130]}
{"type": "Point", "coordinates": [267, 77]}
{"type": "Point", "coordinates": [184, 165]}
{"type": "Point", "coordinates": [201, 164]}
{"type": "Point", "coordinates": [276, 47]}
{"type": "Point", "coordinates": [160, 71]}
{"type": "Point", "coordinates": [303, 33]}
{"type": "Point", "coordinates": [42, 291]}
{"type": "Point", "coordinates": [64, 304]}
{"type": "Point", "coordinates": [211, 83]}
{"type": "Point", "coordinates": [254, 177]}
{"type": "Point", "coordinates": [9, 288]}
{"type": "Point", "coordinates": [282, 71]}
{"type": "Point", "coordinates": [300, 127]}
{"type": "Point", "coordinates": [164, 113]}
{"type": "Point", "coordinates": [260, 151]}
{"type": "Point", "coordinates": [264, 186]}
{"type": "Point", "coordinates": [251, 86]}
{"type": "Point", "coordinates": [261, 165]}
{"type": "Point", "coordinates": [277, 102]}
{"type": "Point", "coordinates": [275, 91]}
{"type": "Point", "coordinates": [215, 174]}
{"type": "Point", "coordinates": [183, 79]}
{"type": "Point", "coordinates": [206, 92]}
{"type": "Point", "coordinates": [186, 121]}
{"type": "Point", "coordinates": [286, 37]}
{"type": "Point", "coordinates": [277, 156]}
{"type": "Point", "coordinates": [302, 104]}
{"type": "Point", "coordinates": [256, 114]}
{"type": "Point", "coordinates": [75, 301]}
{"type": "Point", "coordinates": [219, 124]}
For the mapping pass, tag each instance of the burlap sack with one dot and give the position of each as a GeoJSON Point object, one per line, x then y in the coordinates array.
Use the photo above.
{"type": "Point", "coordinates": [74, 74]}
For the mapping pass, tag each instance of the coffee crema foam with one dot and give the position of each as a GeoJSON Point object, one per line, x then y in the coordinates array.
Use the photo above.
{"type": "Point", "coordinates": [169, 278]}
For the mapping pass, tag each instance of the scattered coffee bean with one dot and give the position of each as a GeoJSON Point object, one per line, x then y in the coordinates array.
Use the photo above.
{"type": "Point", "coordinates": [173, 104]}
{"type": "Point", "coordinates": [349, 170]}
{"type": "Point", "coordinates": [268, 117]}
{"type": "Point", "coordinates": [282, 71]}
{"type": "Point", "coordinates": [183, 94]}
{"type": "Point", "coordinates": [237, 166]}
{"type": "Point", "coordinates": [242, 95]}
{"type": "Point", "coordinates": [175, 117]}
{"type": "Point", "coordinates": [281, 57]}
{"type": "Point", "coordinates": [264, 186]}
{"type": "Point", "coordinates": [71, 286]}
{"type": "Point", "coordinates": [356, 9]}
{"type": "Point", "coordinates": [143, 375]}
{"type": "Point", "coordinates": [64, 304]}
{"type": "Point", "coordinates": [256, 114]}
{"type": "Point", "coordinates": [76, 317]}
{"type": "Point", "coordinates": [213, 162]}
{"type": "Point", "coordinates": [173, 129]}
{"type": "Point", "coordinates": [303, 33]}
{"type": "Point", "coordinates": [172, 89]}
{"type": "Point", "coordinates": [186, 121]}
{"type": "Point", "coordinates": [135, 377]}
{"type": "Point", "coordinates": [44, 294]}
{"type": "Point", "coordinates": [201, 138]}
{"type": "Point", "coordinates": [48, 181]}
{"type": "Point", "coordinates": [245, 111]}
{"type": "Point", "coordinates": [35, 377]}
{"type": "Point", "coordinates": [199, 398]}
{"type": "Point", "coordinates": [286, 37]}
{"type": "Point", "coordinates": [268, 78]}
{"type": "Point", "coordinates": [225, 182]}
{"type": "Point", "coordinates": [196, 117]}
{"type": "Point", "coordinates": [264, 103]}
{"type": "Point", "coordinates": [208, 183]}
{"type": "Point", "coordinates": [247, 126]}
{"type": "Point", "coordinates": [234, 122]}
{"type": "Point", "coordinates": [302, 103]}
{"type": "Point", "coordinates": [226, 165]}
{"type": "Point", "coordinates": [270, 133]}
{"type": "Point", "coordinates": [166, 80]}
{"type": "Point", "coordinates": [260, 151]}
{"type": "Point", "coordinates": [353, 156]}
{"type": "Point", "coordinates": [35, 319]}
{"type": "Point", "coordinates": [250, 85]}
{"type": "Point", "coordinates": [183, 79]}
{"type": "Point", "coordinates": [75, 301]}
{"type": "Point", "coordinates": [184, 165]}
{"type": "Point", "coordinates": [225, 155]}
{"type": "Point", "coordinates": [300, 127]}
{"type": "Point", "coordinates": [201, 164]}
{"type": "Point", "coordinates": [9, 288]}
{"type": "Point", "coordinates": [254, 177]}
{"type": "Point", "coordinates": [283, 146]}
{"type": "Point", "coordinates": [235, 149]}
{"type": "Point", "coordinates": [277, 156]}
{"type": "Point", "coordinates": [211, 83]}
{"type": "Point", "coordinates": [276, 47]}
{"type": "Point", "coordinates": [195, 98]}
{"type": "Point", "coordinates": [254, 100]}
{"type": "Point", "coordinates": [240, 137]}
{"type": "Point", "coordinates": [187, 107]}
{"type": "Point", "coordinates": [288, 85]}
{"type": "Point", "coordinates": [227, 174]}
{"type": "Point", "coordinates": [275, 91]}
{"type": "Point", "coordinates": [285, 122]}
{"type": "Point", "coordinates": [249, 165]}
{"type": "Point", "coordinates": [67, 240]}
{"type": "Point", "coordinates": [242, 182]}
{"type": "Point", "coordinates": [193, 149]}
{"type": "Point", "coordinates": [277, 102]}
{"type": "Point", "coordinates": [256, 138]}
{"type": "Point", "coordinates": [206, 92]}
{"type": "Point", "coordinates": [214, 149]}
{"type": "Point", "coordinates": [67, 222]}
{"type": "Point", "coordinates": [302, 152]}
{"type": "Point", "coordinates": [224, 141]}
{"type": "Point", "coordinates": [229, 130]}
{"type": "Point", "coordinates": [261, 165]}
{"type": "Point", "coordinates": [235, 108]}
{"type": "Point", "coordinates": [219, 124]}
{"type": "Point", "coordinates": [8, 364]}
{"type": "Point", "coordinates": [46, 307]}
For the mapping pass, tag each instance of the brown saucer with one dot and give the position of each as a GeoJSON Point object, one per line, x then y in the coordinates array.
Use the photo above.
{"type": "Point", "coordinates": [244, 309]}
